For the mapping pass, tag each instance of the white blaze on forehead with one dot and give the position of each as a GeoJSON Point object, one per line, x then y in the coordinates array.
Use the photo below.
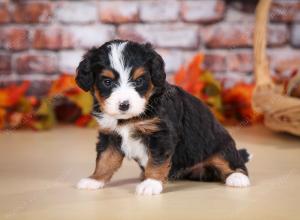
{"type": "Point", "coordinates": [116, 58]}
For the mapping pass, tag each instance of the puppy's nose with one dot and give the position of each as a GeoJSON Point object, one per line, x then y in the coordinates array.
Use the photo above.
{"type": "Point", "coordinates": [124, 106]}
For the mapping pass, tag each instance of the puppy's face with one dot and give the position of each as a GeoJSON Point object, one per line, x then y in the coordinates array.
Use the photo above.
{"type": "Point", "coordinates": [122, 76]}
{"type": "Point", "coordinates": [122, 91]}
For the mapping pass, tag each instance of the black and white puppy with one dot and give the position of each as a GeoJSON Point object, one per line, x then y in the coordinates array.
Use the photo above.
{"type": "Point", "coordinates": [169, 133]}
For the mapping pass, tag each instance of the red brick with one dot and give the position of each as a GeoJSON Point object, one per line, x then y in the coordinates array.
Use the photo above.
{"type": "Point", "coordinates": [215, 62]}
{"type": "Point", "coordinates": [5, 64]}
{"type": "Point", "coordinates": [118, 12]}
{"type": "Point", "coordinates": [39, 88]}
{"type": "Point", "coordinates": [153, 11]}
{"type": "Point", "coordinates": [278, 35]}
{"type": "Point", "coordinates": [76, 12]}
{"type": "Point", "coordinates": [32, 12]}
{"type": "Point", "coordinates": [4, 13]}
{"type": "Point", "coordinates": [226, 36]}
{"type": "Point", "coordinates": [162, 35]}
{"type": "Point", "coordinates": [285, 11]}
{"type": "Point", "coordinates": [69, 60]}
{"type": "Point", "coordinates": [229, 79]}
{"type": "Point", "coordinates": [205, 11]}
{"type": "Point", "coordinates": [14, 38]}
{"type": "Point", "coordinates": [241, 35]}
{"type": "Point", "coordinates": [55, 38]}
{"type": "Point", "coordinates": [240, 61]}
{"type": "Point", "coordinates": [279, 57]}
{"type": "Point", "coordinates": [52, 38]}
{"type": "Point", "coordinates": [29, 63]}
{"type": "Point", "coordinates": [295, 35]}
{"type": "Point", "coordinates": [235, 15]}
{"type": "Point", "coordinates": [89, 36]}
{"type": "Point", "coordinates": [173, 59]}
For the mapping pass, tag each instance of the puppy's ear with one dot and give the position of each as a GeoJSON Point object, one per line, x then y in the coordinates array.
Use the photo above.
{"type": "Point", "coordinates": [84, 77]}
{"type": "Point", "coordinates": [157, 67]}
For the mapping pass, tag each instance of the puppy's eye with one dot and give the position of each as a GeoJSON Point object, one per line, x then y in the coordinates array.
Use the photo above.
{"type": "Point", "coordinates": [107, 82]}
{"type": "Point", "coordinates": [139, 82]}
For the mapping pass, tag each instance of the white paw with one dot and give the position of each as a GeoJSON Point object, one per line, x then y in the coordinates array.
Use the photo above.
{"type": "Point", "coordinates": [237, 180]}
{"type": "Point", "coordinates": [89, 183]}
{"type": "Point", "coordinates": [149, 187]}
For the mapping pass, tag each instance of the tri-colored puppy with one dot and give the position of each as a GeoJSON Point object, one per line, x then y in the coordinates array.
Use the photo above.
{"type": "Point", "coordinates": [169, 133]}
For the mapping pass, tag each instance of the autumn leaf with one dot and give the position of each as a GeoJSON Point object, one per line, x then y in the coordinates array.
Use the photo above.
{"type": "Point", "coordinates": [188, 78]}
{"type": "Point", "coordinates": [84, 101]}
{"type": "Point", "coordinates": [237, 102]}
{"type": "Point", "coordinates": [44, 116]}
{"type": "Point", "coordinates": [64, 84]}
{"type": "Point", "coordinates": [12, 94]}
{"type": "Point", "coordinates": [83, 120]}
{"type": "Point", "coordinates": [194, 72]}
{"type": "Point", "coordinates": [2, 117]}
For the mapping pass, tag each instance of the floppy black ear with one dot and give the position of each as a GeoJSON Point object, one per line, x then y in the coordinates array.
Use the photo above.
{"type": "Point", "coordinates": [157, 67]}
{"type": "Point", "coordinates": [84, 77]}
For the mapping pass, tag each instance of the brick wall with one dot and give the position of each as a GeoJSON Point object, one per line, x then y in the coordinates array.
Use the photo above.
{"type": "Point", "coordinates": [41, 39]}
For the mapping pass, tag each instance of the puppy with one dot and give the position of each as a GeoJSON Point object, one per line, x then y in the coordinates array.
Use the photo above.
{"type": "Point", "coordinates": [168, 132]}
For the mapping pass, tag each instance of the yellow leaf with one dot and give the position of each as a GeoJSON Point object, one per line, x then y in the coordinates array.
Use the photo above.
{"type": "Point", "coordinates": [45, 116]}
{"type": "Point", "coordinates": [84, 101]}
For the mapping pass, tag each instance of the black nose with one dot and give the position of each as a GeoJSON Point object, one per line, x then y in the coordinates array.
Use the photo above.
{"type": "Point", "coordinates": [124, 106]}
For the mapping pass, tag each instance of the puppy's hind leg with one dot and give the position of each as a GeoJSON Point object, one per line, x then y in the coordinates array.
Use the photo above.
{"type": "Point", "coordinates": [231, 165]}
{"type": "Point", "coordinates": [226, 167]}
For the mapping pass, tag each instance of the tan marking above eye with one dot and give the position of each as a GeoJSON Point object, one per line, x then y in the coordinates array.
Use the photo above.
{"type": "Point", "coordinates": [108, 74]}
{"type": "Point", "coordinates": [138, 73]}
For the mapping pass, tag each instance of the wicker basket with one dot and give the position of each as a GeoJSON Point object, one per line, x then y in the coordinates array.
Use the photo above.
{"type": "Point", "coordinates": [281, 113]}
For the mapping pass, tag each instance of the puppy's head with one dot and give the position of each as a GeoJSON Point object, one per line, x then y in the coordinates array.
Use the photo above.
{"type": "Point", "coordinates": [122, 76]}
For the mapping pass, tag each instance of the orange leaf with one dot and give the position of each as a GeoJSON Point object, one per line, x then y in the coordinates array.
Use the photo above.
{"type": "Point", "coordinates": [188, 78]}
{"type": "Point", "coordinates": [238, 100]}
{"type": "Point", "coordinates": [11, 95]}
{"type": "Point", "coordinates": [65, 83]}
{"type": "Point", "coordinates": [179, 77]}
{"type": "Point", "coordinates": [194, 71]}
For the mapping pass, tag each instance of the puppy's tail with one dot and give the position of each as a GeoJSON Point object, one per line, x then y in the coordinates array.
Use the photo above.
{"type": "Point", "coordinates": [245, 155]}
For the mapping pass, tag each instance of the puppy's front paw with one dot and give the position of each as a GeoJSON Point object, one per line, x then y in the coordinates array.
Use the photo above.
{"type": "Point", "coordinates": [149, 187]}
{"type": "Point", "coordinates": [89, 183]}
{"type": "Point", "coordinates": [237, 180]}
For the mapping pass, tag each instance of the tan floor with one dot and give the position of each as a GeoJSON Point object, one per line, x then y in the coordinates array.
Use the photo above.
{"type": "Point", "coordinates": [38, 172]}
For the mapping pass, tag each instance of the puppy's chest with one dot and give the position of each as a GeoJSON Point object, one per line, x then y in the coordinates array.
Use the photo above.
{"type": "Point", "coordinates": [132, 147]}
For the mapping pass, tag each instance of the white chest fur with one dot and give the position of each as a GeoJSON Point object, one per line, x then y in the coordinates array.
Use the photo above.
{"type": "Point", "coordinates": [133, 148]}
